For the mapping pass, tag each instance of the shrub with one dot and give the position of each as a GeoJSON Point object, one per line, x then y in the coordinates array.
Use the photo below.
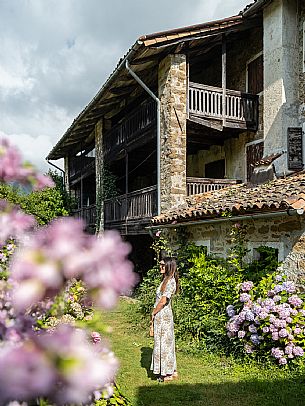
{"type": "Point", "coordinates": [269, 319]}
{"type": "Point", "coordinates": [206, 291]}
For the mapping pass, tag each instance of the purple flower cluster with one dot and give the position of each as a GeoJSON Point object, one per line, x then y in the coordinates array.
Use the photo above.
{"type": "Point", "coordinates": [13, 222]}
{"type": "Point", "coordinates": [62, 366]}
{"type": "Point", "coordinates": [13, 169]}
{"type": "Point", "coordinates": [62, 363]}
{"type": "Point", "coordinates": [61, 251]}
{"type": "Point", "coordinates": [274, 319]}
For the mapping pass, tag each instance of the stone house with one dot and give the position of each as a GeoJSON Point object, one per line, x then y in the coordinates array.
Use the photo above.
{"type": "Point", "coordinates": [188, 122]}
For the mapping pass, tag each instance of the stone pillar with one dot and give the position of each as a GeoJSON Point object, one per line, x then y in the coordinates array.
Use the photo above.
{"type": "Point", "coordinates": [67, 173]}
{"type": "Point", "coordinates": [99, 165]}
{"type": "Point", "coordinates": [280, 77]}
{"type": "Point", "coordinates": [172, 83]}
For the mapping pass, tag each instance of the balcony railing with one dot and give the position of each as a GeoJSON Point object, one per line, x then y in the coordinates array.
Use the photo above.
{"type": "Point", "coordinates": [130, 128]}
{"type": "Point", "coordinates": [87, 213]}
{"type": "Point", "coordinates": [241, 109]}
{"type": "Point", "coordinates": [135, 205]}
{"type": "Point", "coordinates": [195, 186]}
{"type": "Point", "coordinates": [80, 164]}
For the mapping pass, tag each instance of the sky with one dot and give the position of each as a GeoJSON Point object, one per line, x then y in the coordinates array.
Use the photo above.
{"type": "Point", "coordinates": [56, 54]}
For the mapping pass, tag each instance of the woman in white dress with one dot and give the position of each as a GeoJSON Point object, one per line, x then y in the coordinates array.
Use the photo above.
{"type": "Point", "coordinates": [164, 356]}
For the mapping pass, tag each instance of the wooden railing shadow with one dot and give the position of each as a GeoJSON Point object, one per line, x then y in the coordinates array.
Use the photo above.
{"type": "Point", "coordinates": [268, 392]}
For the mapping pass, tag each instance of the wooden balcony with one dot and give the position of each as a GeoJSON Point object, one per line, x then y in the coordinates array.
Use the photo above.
{"type": "Point", "coordinates": [205, 107]}
{"type": "Point", "coordinates": [131, 129]}
{"type": "Point", "coordinates": [88, 214]}
{"type": "Point", "coordinates": [195, 186]}
{"type": "Point", "coordinates": [138, 205]}
{"type": "Point", "coordinates": [79, 165]}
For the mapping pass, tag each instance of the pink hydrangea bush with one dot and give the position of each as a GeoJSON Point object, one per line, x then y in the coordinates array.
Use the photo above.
{"type": "Point", "coordinates": [64, 364]}
{"type": "Point", "coordinates": [270, 320]}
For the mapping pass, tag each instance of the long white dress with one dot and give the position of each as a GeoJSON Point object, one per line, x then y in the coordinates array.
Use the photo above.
{"type": "Point", "coordinates": [164, 356]}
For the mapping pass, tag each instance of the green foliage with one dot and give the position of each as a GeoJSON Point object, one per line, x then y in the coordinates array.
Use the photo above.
{"type": "Point", "coordinates": [207, 289]}
{"type": "Point", "coordinates": [146, 291]}
{"type": "Point", "coordinates": [208, 286]}
{"type": "Point", "coordinates": [266, 264]}
{"type": "Point", "coordinates": [68, 202]}
{"type": "Point", "coordinates": [117, 399]}
{"type": "Point", "coordinates": [45, 205]}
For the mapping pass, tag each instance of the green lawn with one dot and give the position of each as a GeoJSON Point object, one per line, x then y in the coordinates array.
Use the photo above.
{"type": "Point", "coordinates": [207, 380]}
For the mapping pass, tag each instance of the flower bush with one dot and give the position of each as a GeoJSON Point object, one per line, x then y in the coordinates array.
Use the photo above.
{"type": "Point", "coordinates": [64, 364]}
{"type": "Point", "coordinates": [269, 319]}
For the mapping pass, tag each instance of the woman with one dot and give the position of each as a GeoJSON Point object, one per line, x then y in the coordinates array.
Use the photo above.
{"type": "Point", "coordinates": [164, 356]}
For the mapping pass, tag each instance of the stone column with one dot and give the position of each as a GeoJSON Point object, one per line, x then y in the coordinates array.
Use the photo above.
{"type": "Point", "coordinates": [99, 165]}
{"type": "Point", "coordinates": [280, 77]}
{"type": "Point", "coordinates": [172, 83]}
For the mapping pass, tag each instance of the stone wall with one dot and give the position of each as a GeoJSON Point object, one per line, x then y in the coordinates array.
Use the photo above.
{"type": "Point", "coordinates": [99, 164]}
{"type": "Point", "coordinates": [285, 233]}
{"type": "Point", "coordinates": [172, 83]}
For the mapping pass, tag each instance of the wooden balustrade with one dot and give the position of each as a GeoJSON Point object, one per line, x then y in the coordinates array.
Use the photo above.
{"type": "Point", "coordinates": [203, 185]}
{"type": "Point", "coordinates": [136, 122]}
{"type": "Point", "coordinates": [206, 102]}
{"type": "Point", "coordinates": [86, 213]}
{"type": "Point", "coordinates": [80, 164]}
{"type": "Point", "coordinates": [135, 205]}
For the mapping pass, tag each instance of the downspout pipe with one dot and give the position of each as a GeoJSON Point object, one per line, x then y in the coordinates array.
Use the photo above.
{"type": "Point", "coordinates": [61, 170]}
{"type": "Point", "coordinates": [289, 212]}
{"type": "Point", "coordinates": [141, 83]}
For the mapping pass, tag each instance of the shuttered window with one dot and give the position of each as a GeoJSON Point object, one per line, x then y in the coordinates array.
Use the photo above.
{"type": "Point", "coordinates": [256, 75]}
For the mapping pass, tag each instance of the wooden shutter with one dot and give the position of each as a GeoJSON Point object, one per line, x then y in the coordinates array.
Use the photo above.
{"type": "Point", "coordinates": [254, 153]}
{"type": "Point", "coordinates": [256, 75]}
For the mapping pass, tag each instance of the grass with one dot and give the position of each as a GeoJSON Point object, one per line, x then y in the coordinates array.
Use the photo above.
{"type": "Point", "coordinates": [208, 379]}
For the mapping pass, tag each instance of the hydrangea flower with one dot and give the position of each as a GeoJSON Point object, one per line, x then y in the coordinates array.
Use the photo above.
{"type": "Point", "coordinates": [230, 311]}
{"type": "Point", "coordinates": [247, 286]}
{"type": "Point", "coordinates": [295, 301]}
{"type": "Point", "coordinates": [244, 297]}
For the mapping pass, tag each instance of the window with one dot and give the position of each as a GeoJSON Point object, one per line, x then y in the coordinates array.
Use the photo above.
{"type": "Point", "coordinates": [255, 74]}
{"type": "Point", "coordinates": [257, 251]}
{"type": "Point", "coordinates": [204, 243]}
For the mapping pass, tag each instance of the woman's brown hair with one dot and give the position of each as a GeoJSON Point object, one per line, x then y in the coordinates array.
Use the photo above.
{"type": "Point", "coordinates": [170, 272]}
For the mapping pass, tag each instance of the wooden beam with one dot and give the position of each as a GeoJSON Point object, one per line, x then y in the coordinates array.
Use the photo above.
{"type": "Point", "coordinates": [224, 77]}
{"type": "Point", "coordinates": [122, 90]}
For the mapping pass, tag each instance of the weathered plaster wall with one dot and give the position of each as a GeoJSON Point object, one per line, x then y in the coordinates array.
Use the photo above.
{"type": "Point", "coordinates": [301, 8]}
{"type": "Point", "coordinates": [99, 164]}
{"type": "Point", "coordinates": [239, 53]}
{"type": "Point", "coordinates": [172, 82]}
{"type": "Point", "coordinates": [286, 233]}
{"type": "Point", "coordinates": [233, 152]}
{"type": "Point", "coordinates": [281, 55]}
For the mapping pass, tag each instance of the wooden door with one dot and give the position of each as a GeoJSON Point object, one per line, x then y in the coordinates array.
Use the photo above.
{"type": "Point", "coordinates": [254, 152]}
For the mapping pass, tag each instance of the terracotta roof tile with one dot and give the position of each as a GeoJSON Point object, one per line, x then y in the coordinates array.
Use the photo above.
{"type": "Point", "coordinates": [277, 195]}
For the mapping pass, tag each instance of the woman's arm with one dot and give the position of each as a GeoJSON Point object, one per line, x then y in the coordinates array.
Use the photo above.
{"type": "Point", "coordinates": [160, 305]}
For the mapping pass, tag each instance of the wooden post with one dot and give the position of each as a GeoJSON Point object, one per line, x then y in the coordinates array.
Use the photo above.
{"type": "Point", "coordinates": [224, 78]}
{"type": "Point", "coordinates": [126, 172]}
